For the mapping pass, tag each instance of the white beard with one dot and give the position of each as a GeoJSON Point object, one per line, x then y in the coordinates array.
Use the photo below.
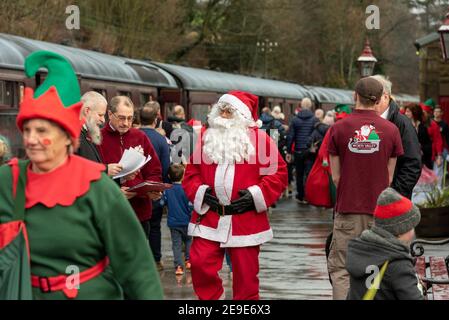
{"type": "Point", "coordinates": [227, 140]}
{"type": "Point", "coordinates": [94, 131]}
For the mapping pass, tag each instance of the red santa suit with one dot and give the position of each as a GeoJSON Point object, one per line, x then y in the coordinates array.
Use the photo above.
{"type": "Point", "coordinates": [264, 175]}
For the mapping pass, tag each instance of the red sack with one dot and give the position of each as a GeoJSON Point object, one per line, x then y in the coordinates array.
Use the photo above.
{"type": "Point", "coordinates": [317, 188]}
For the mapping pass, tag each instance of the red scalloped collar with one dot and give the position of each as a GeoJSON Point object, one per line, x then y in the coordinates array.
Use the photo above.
{"type": "Point", "coordinates": [63, 185]}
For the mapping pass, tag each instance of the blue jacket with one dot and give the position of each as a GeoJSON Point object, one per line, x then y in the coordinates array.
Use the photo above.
{"type": "Point", "coordinates": [300, 130]}
{"type": "Point", "coordinates": [179, 207]}
{"type": "Point", "coordinates": [162, 149]}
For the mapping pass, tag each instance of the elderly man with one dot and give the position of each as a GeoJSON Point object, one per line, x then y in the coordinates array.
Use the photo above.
{"type": "Point", "coordinates": [93, 113]}
{"type": "Point", "coordinates": [118, 135]}
{"type": "Point", "coordinates": [182, 136]}
{"type": "Point", "coordinates": [408, 166]}
{"type": "Point", "coordinates": [235, 174]}
{"type": "Point", "coordinates": [300, 133]}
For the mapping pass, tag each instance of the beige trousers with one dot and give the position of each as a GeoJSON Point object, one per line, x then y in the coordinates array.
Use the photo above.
{"type": "Point", "coordinates": [347, 226]}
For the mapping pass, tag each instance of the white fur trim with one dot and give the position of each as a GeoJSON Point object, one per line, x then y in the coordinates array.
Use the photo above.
{"type": "Point", "coordinates": [249, 240]}
{"type": "Point", "coordinates": [238, 104]}
{"type": "Point", "coordinates": [223, 182]}
{"type": "Point", "coordinates": [259, 200]}
{"type": "Point", "coordinates": [259, 123]}
{"type": "Point", "coordinates": [221, 234]}
{"type": "Point", "coordinates": [199, 198]}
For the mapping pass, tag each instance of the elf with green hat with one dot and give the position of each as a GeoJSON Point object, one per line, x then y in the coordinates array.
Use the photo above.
{"type": "Point", "coordinates": [66, 230]}
{"type": "Point", "coordinates": [342, 111]}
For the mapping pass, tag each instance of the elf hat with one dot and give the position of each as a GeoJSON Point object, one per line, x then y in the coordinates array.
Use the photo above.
{"type": "Point", "coordinates": [425, 107]}
{"type": "Point", "coordinates": [430, 103]}
{"type": "Point", "coordinates": [245, 103]}
{"type": "Point", "coordinates": [395, 213]}
{"type": "Point", "coordinates": [342, 111]}
{"type": "Point", "coordinates": [57, 99]}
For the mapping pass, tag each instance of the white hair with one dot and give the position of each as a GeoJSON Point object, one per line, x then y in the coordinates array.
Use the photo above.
{"type": "Point", "coordinates": [91, 99]}
{"type": "Point", "coordinates": [277, 113]}
{"type": "Point", "coordinates": [385, 83]}
{"type": "Point", "coordinates": [306, 103]}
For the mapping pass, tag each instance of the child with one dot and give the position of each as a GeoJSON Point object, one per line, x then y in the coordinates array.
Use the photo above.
{"type": "Point", "coordinates": [179, 213]}
{"type": "Point", "coordinates": [395, 218]}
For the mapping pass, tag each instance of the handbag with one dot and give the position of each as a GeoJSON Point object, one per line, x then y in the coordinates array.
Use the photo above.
{"type": "Point", "coordinates": [15, 274]}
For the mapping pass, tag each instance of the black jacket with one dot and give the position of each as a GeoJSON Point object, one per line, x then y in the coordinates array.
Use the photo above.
{"type": "Point", "coordinates": [408, 166]}
{"type": "Point", "coordinates": [87, 149]}
{"type": "Point", "coordinates": [371, 250]}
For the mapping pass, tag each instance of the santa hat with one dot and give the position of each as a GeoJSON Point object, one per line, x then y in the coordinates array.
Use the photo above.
{"type": "Point", "coordinates": [57, 99]}
{"type": "Point", "coordinates": [245, 103]}
{"type": "Point", "coordinates": [395, 213]}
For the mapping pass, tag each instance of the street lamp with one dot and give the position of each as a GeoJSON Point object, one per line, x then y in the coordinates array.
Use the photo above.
{"type": "Point", "coordinates": [444, 37]}
{"type": "Point", "coordinates": [367, 61]}
{"type": "Point", "coordinates": [266, 47]}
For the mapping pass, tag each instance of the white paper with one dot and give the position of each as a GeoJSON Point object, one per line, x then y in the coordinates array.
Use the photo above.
{"type": "Point", "coordinates": [132, 160]}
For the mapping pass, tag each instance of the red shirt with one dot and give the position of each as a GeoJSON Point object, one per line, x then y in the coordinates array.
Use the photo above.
{"type": "Point", "coordinates": [364, 142]}
{"type": "Point", "coordinates": [111, 150]}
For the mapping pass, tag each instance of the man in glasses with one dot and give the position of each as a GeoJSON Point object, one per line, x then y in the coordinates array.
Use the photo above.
{"type": "Point", "coordinates": [118, 135]}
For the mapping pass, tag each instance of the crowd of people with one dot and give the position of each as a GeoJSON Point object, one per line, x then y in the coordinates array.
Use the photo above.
{"type": "Point", "coordinates": [225, 174]}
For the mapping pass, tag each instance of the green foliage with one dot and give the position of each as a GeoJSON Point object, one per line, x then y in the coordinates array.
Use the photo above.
{"type": "Point", "coordinates": [436, 198]}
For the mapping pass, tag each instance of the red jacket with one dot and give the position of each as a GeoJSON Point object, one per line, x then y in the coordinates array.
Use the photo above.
{"type": "Point", "coordinates": [264, 175]}
{"type": "Point", "coordinates": [111, 150]}
{"type": "Point", "coordinates": [437, 139]}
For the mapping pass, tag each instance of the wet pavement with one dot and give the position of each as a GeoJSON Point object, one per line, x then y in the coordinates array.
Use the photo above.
{"type": "Point", "coordinates": [292, 265]}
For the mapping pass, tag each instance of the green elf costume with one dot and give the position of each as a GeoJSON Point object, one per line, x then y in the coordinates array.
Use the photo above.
{"type": "Point", "coordinates": [71, 228]}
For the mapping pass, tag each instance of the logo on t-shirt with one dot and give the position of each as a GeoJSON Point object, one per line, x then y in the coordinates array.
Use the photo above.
{"type": "Point", "coordinates": [365, 140]}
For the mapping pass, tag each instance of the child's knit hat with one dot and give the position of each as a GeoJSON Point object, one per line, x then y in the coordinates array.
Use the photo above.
{"type": "Point", "coordinates": [395, 213]}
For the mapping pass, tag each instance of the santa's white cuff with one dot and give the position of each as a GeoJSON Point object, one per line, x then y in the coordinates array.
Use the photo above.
{"type": "Point", "coordinates": [258, 198]}
{"type": "Point", "coordinates": [199, 198]}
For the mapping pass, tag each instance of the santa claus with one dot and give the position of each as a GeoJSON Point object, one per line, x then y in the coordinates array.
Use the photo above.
{"type": "Point", "coordinates": [234, 175]}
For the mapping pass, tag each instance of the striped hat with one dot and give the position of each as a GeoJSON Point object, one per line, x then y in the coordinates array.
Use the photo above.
{"type": "Point", "coordinates": [395, 213]}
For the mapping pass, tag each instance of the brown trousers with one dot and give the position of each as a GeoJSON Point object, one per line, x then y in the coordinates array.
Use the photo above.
{"type": "Point", "coordinates": [347, 226]}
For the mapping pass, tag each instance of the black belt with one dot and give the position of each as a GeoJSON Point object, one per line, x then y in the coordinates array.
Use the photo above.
{"type": "Point", "coordinates": [223, 210]}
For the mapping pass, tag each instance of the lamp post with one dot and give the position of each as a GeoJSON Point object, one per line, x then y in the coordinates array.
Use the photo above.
{"type": "Point", "coordinates": [266, 47]}
{"type": "Point", "coordinates": [367, 61]}
{"type": "Point", "coordinates": [444, 37]}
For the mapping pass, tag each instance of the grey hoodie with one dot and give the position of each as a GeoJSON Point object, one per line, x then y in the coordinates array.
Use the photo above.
{"type": "Point", "coordinates": [373, 248]}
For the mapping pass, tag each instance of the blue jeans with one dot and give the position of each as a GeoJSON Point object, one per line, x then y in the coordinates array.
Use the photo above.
{"type": "Point", "coordinates": [178, 237]}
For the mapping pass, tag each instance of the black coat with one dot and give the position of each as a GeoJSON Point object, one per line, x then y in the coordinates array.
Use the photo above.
{"type": "Point", "coordinates": [371, 250]}
{"type": "Point", "coordinates": [408, 166]}
{"type": "Point", "coordinates": [87, 149]}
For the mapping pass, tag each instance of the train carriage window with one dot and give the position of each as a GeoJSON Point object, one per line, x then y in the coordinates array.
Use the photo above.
{"type": "Point", "coordinates": [124, 93]}
{"type": "Point", "coordinates": [200, 112]}
{"type": "Point", "coordinates": [102, 92]}
{"type": "Point", "coordinates": [145, 97]}
{"type": "Point", "coordinates": [7, 94]}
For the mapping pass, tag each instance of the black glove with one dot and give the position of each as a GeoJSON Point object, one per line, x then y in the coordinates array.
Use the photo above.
{"type": "Point", "coordinates": [244, 203]}
{"type": "Point", "coordinates": [210, 199]}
